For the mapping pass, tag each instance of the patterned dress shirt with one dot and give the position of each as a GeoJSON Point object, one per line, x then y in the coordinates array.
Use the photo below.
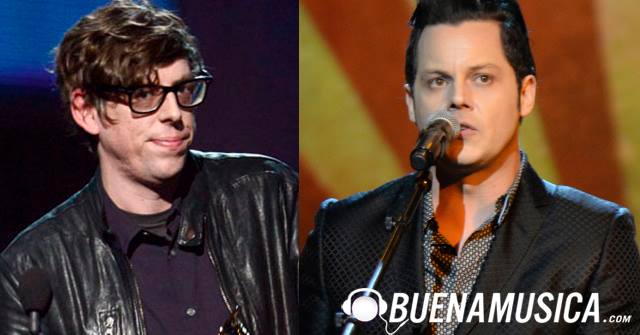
{"type": "Point", "coordinates": [445, 271]}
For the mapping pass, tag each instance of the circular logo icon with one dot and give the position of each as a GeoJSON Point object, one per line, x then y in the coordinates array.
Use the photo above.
{"type": "Point", "coordinates": [365, 309]}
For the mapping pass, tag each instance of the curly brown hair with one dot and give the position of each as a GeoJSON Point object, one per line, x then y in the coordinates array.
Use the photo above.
{"type": "Point", "coordinates": [121, 44]}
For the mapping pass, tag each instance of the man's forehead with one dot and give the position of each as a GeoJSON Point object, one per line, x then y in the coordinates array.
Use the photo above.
{"type": "Point", "coordinates": [469, 44]}
{"type": "Point", "coordinates": [170, 73]}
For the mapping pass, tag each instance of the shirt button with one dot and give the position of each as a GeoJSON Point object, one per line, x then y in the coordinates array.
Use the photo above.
{"type": "Point", "coordinates": [191, 311]}
{"type": "Point", "coordinates": [191, 234]}
{"type": "Point", "coordinates": [173, 252]}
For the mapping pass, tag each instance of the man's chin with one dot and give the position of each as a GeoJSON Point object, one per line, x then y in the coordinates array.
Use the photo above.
{"type": "Point", "coordinates": [165, 170]}
{"type": "Point", "coordinates": [460, 159]}
{"type": "Point", "coordinates": [459, 166]}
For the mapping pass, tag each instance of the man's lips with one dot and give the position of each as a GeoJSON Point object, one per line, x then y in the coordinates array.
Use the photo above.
{"type": "Point", "coordinates": [169, 142]}
{"type": "Point", "coordinates": [466, 129]}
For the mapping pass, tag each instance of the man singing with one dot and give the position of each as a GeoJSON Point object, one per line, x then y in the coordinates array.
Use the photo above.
{"type": "Point", "coordinates": [488, 224]}
{"type": "Point", "coordinates": [162, 240]}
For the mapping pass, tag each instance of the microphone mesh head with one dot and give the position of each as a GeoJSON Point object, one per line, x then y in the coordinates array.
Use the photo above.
{"type": "Point", "coordinates": [446, 117]}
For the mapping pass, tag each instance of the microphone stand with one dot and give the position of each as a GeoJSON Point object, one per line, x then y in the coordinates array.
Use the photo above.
{"type": "Point", "coordinates": [422, 182]}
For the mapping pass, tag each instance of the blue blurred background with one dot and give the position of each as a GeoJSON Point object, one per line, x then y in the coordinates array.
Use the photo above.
{"type": "Point", "coordinates": [30, 31]}
{"type": "Point", "coordinates": [251, 47]}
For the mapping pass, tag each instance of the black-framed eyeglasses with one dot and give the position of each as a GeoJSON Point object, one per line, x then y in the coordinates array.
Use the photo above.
{"type": "Point", "coordinates": [146, 99]}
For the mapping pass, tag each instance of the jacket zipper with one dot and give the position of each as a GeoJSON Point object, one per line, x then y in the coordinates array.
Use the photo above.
{"type": "Point", "coordinates": [137, 302]}
{"type": "Point", "coordinates": [133, 289]}
{"type": "Point", "coordinates": [215, 266]}
{"type": "Point", "coordinates": [138, 313]}
{"type": "Point", "coordinates": [224, 296]}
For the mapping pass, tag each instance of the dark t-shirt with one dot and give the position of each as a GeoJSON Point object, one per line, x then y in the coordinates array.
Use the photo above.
{"type": "Point", "coordinates": [178, 285]}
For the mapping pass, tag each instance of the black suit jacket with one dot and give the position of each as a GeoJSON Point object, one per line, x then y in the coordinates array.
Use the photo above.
{"type": "Point", "coordinates": [556, 239]}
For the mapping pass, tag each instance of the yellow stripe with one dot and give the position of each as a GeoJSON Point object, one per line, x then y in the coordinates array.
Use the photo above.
{"type": "Point", "coordinates": [341, 144]}
{"type": "Point", "coordinates": [534, 143]}
{"type": "Point", "coordinates": [620, 25]}
{"type": "Point", "coordinates": [411, 4]}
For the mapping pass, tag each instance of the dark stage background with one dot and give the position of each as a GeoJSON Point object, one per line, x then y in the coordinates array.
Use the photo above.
{"type": "Point", "coordinates": [251, 47]}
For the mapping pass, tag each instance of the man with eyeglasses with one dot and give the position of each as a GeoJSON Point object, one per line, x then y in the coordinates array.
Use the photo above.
{"type": "Point", "coordinates": [163, 240]}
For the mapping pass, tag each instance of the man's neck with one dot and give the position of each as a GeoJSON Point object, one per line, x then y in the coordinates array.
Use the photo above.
{"type": "Point", "coordinates": [135, 197]}
{"type": "Point", "coordinates": [463, 204]}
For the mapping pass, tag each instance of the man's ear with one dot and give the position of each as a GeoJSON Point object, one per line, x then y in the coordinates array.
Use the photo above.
{"type": "Point", "coordinates": [408, 100]}
{"type": "Point", "coordinates": [84, 114]}
{"type": "Point", "coordinates": [528, 95]}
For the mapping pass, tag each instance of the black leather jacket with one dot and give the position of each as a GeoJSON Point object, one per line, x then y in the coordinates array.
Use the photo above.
{"type": "Point", "coordinates": [243, 207]}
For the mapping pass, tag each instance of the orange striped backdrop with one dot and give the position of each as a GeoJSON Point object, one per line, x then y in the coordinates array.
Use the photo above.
{"type": "Point", "coordinates": [355, 135]}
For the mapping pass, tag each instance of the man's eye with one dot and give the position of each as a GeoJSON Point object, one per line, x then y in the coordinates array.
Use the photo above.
{"type": "Point", "coordinates": [437, 82]}
{"type": "Point", "coordinates": [187, 87]}
{"type": "Point", "coordinates": [146, 93]}
{"type": "Point", "coordinates": [483, 79]}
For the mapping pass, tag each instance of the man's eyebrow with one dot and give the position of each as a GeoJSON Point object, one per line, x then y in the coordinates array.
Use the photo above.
{"type": "Point", "coordinates": [442, 73]}
{"type": "Point", "coordinates": [434, 71]}
{"type": "Point", "coordinates": [183, 78]}
{"type": "Point", "coordinates": [483, 66]}
{"type": "Point", "coordinates": [173, 83]}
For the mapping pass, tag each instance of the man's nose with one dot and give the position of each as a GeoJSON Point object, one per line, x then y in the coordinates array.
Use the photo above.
{"type": "Point", "coordinates": [458, 95]}
{"type": "Point", "coordinates": [170, 110]}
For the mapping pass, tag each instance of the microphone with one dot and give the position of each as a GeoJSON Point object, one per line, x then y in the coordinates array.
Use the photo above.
{"type": "Point", "coordinates": [35, 293]}
{"type": "Point", "coordinates": [442, 128]}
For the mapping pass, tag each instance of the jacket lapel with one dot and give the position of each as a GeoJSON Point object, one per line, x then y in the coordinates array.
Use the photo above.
{"type": "Point", "coordinates": [195, 198]}
{"type": "Point", "coordinates": [409, 254]}
{"type": "Point", "coordinates": [513, 241]}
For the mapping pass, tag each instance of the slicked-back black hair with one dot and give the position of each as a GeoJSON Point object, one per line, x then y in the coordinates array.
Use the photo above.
{"type": "Point", "coordinates": [513, 31]}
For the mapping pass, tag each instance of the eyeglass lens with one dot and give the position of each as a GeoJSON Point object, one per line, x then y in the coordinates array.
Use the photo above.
{"type": "Point", "coordinates": [149, 98]}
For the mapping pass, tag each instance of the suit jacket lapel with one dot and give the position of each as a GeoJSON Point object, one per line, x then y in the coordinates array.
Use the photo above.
{"type": "Point", "coordinates": [408, 256]}
{"type": "Point", "coordinates": [513, 241]}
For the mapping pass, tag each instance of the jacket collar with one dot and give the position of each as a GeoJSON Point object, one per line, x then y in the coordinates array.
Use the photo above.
{"type": "Point", "coordinates": [194, 203]}
{"type": "Point", "coordinates": [514, 240]}
{"type": "Point", "coordinates": [539, 193]}
{"type": "Point", "coordinates": [403, 195]}
{"type": "Point", "coordinates": [196, 197]}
